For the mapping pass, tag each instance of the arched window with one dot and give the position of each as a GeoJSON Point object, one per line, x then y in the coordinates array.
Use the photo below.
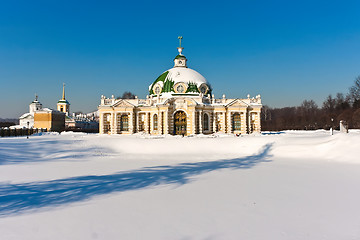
{"type": "Point", "coordinates": [206, 122]}
{"type": "Point", "coordinates": [236, 122]}
{"type": "Point", "coordinates": [124, 124]}
{"type": "Point", "coordinates": [155, 122]}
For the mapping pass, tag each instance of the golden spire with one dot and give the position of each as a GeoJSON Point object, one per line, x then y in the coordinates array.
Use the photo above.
{"type": "Point", "coordinates": [63, 96]}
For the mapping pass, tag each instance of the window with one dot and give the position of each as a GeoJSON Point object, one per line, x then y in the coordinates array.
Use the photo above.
{"type": "Point", "coordinates": [106, 124]}
{"type": "Point", "coordinates": [206, 122]}
{"type": "Point", "coordinates": [157, 90]}
{"type": "Point", "coordinates": [180, 89]}
{"type": "Point", "coordinates": [236, 122]}
{"type": "Point", "coordinates": [155, 122]}
{"type": "Point", "coordinates": [124, 124]}
{"type": "Point", "coordinates": [203, 89]}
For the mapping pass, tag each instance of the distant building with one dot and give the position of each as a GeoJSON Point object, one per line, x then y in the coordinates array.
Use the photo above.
{"type": "Point", "coordinates": [76, 122]}
{"type": "Point", "coordinates": [63, 105]}
{"type": "Point", "coordinates": [82, 122]}
{"type": "Point", "coordinates": [50, 119]}
{"type": "Point", "coordinates": [58, 120]}
{"type": "Point", "coordinates": [39, 117]}
{"type": "Point", "coordinates": [180, 102]}
{"type": "Point", "coordinates": [27, 119]}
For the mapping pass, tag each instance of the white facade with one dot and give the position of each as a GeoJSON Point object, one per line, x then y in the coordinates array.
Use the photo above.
{"type": "Point", "coordinates": [27, 119]}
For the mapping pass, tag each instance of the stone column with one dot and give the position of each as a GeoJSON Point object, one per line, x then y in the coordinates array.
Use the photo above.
{"type": "Point", "coordinates": [226, 116]}
{"type": "Point", "coordinates": [228, 121]}
{"type": "Point", "coordinates": [131, 122]}
{"type": "Point", "coordinates": [171, 122]}
{"type": "Point", "coordinates": [166, 122]}
{"type": "Point", "coordinates": [146, 122]}
{"type": "Point", "coordinates": [112, 131]}
{"type": "Point", "coordinates": [101, 123]}
{"type": "Point", "coordinates": [222, 121]}
{"type": "Point", "coordinates": [115, 123]}
{"type": "Point", "coordinates": [214, 122]}
{"type": "Point", "coordinates": [248, 121]}
{"type": "Point", "coordinates": [193, 130]}
{"type": "Point", "coordinates": [136, 127]}
{"type": "Point", "coordinates": [243, 122]}
{"type": "Point", "coordinates": [200, 121]}
{"type": "Point", "coordinates": [150, 116]}
{"type": "Point", "coordinates": [159, 121]}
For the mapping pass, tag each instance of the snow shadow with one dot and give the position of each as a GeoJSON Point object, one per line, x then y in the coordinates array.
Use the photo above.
{"type": "Point", "coordinates": [38, 150]}
{"type": "Point", "coordinates": [23, 197]}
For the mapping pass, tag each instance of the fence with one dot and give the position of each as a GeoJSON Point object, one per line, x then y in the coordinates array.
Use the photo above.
{"type": "Point", "coordinates": [6, 132]}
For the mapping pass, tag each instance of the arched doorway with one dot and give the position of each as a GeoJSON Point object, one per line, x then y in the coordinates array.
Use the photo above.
{"type": "Point", "coordinates": [180, 123]}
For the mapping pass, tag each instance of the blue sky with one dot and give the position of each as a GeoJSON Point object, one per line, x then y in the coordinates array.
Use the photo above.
{"type": "Point", "coordinates": [287, 51]}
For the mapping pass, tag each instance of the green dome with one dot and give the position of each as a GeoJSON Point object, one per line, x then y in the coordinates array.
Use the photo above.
{"type": "Point", "coordinates": [168, 80]}
{"type": "Point", "coordinates": [63, 101]}
{"type": "Point", "coordinates": [180, 56]}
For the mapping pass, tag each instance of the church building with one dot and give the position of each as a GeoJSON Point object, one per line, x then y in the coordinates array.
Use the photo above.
{"type": "Point", "coordinates": [27, 119]}
{"type": "Point", "coordinates": [180, 102]}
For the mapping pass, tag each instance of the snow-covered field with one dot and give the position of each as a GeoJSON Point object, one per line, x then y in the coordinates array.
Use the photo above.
{"type": "Point", "coordinates": [293, 185]}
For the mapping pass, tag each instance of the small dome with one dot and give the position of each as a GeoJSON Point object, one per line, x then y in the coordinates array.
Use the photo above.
{"type": "Point", "coordinates": [191, 80]}
{"type": "Point", "coordinates": [180, 56]}
{"type": "Point", "coordinates": [180, 79]}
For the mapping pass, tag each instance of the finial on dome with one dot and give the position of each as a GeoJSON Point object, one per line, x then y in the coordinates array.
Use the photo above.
{"type": "Point", "coordinates": [180, 48]}
{"type": "Point", "coordinates": [36, 97]}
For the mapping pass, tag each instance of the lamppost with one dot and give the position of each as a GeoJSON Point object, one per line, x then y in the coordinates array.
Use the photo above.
{"type": "Point", "coordinates": [27, 136]}
{"type": "Point", "coordinates": [332, 127]}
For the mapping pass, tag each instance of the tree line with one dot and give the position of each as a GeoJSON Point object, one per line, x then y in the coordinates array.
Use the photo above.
{"type": "Point", "coordinates": [309, 116]}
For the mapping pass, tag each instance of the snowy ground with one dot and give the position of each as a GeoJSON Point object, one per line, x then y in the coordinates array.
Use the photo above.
{"type": "Point", "coordinates": [293, 185]}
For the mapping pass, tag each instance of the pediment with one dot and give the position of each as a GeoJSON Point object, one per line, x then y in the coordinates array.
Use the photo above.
{"type": "Point", "coordinates": [123, 103]}
{"type": "Point", "coordinates": [179, 100]}
{"type": "Point", "coordinates": [237, 103]}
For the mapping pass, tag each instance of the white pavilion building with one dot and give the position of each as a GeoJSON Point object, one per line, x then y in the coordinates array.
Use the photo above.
{"type": "Point", "coordinates": [180, 102]}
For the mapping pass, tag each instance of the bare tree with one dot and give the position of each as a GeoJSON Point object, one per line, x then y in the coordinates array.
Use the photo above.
{"type": "Point", "coordinates": [265, 113]}
{"type": "Point", "coordinates": [127, 95]}
{"type": "Point", "coordinates": [329, 105]}
{"type": "Point", "coordinates": [354, 91]}
{"type": "Point", "coordinates": [356, 118]}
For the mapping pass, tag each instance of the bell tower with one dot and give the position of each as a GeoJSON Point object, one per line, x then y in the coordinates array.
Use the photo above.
{"type": "Point", "coordinates": [180, 60]}
{"type": "Point", "coordinates": [63, 105]}
{"type": "Point", "coordinates": [35, 105]}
